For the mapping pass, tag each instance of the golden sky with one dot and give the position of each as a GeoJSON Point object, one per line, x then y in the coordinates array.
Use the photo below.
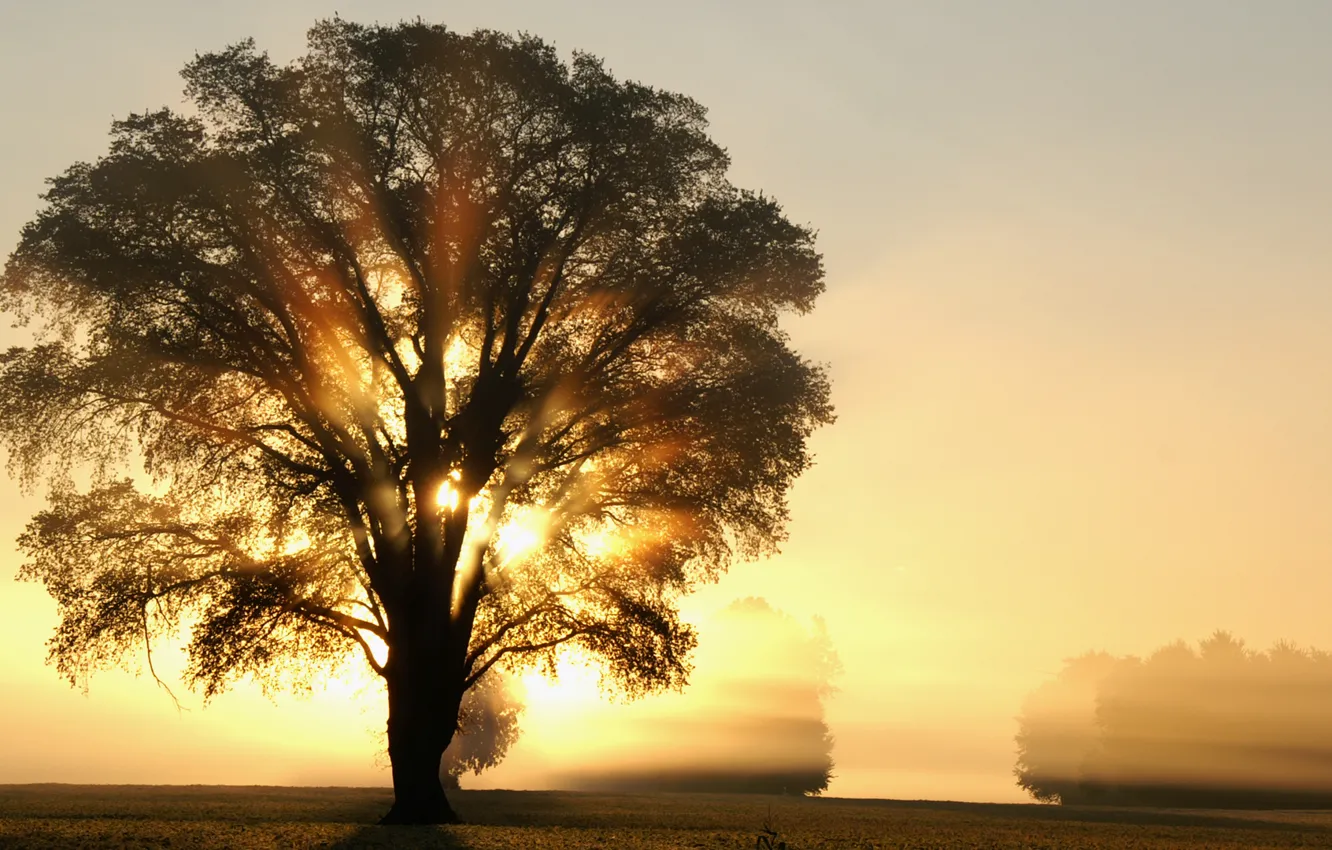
{"type": "Point", "coordinates": [1080, 287]}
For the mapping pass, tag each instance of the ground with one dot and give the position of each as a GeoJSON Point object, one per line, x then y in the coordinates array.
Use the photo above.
{"type": "Point", "coordinates": [72, 816]}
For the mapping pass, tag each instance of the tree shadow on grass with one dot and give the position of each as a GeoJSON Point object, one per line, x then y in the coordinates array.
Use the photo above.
{"type": "Point", "coordinates": [407, 837]}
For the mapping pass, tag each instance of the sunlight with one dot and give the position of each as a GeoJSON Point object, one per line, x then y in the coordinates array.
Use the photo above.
{"type": "Point", "coordinates": [456, 362]}
{"type": "Point", "coordinates": [448, 493]}
{"type": "Point", "coordinates": [297, 541]}
{"type": "Point", "coordinates": [573, 689]}
{"type": "Point", "coordinates": [378, 649]}
{"type": "Point", "coordinates": [523, 535]}
{"type": "Point", "coordinates": [568, 718]}
{"type": "Point", "coordinates": [598, 543]}
{"type": "Point", "coordinates": [407, 354]}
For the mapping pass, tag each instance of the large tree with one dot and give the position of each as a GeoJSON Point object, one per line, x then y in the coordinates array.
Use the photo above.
{"type": "Point", "coordinates": [427, 344]}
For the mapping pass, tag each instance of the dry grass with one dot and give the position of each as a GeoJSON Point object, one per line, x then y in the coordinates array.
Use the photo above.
{"type": "Point", "coordinates": [61, 816]}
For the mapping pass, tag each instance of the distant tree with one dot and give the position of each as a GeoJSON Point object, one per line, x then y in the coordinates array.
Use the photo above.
{"type": "Point", "coordinates": [487, 728]}
{"type": "Point", "coordinates": [780, 740]}
{"type": "Point", "coordinates": [429, 345]}
{"type": "Point", "coordinates": [756, 724]}
{"type": "Point", "coordinates": [1219, 726]}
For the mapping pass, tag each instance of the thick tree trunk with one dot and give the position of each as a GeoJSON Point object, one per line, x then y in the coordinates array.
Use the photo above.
{"type": "Point", "coordinates": [418, 794]}
{"type": "Point", "coordinates": [419, 729]}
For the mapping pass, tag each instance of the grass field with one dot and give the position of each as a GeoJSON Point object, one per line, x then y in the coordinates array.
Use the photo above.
{"type": "Point", "coordinates": [60, 816]}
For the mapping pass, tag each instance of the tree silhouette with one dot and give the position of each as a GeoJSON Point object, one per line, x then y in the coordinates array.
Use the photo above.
{"type": "Point", "coordinates": [1058, 733]}
{"type": "Point", "coordinates": [1219, 726]}
{"type": "Point", "coordinates": [428, 344]}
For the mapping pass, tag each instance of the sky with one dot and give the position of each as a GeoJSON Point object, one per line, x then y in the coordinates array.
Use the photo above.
{"type": "Point", "coordinates": [1078, 262]}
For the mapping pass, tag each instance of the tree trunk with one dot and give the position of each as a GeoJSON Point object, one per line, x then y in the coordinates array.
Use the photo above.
{"type": "Point", "coordinates": [419, 729]}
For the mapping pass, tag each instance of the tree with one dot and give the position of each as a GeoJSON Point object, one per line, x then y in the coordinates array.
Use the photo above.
{"type": "Point", "coordinates": [427, 344]}
{"type": "Point", "coordinates": [752, 721]}
{"type": "Point", "coordinates": [1058, 733]}
{"type": "Point", "coordinates": [773, 734]}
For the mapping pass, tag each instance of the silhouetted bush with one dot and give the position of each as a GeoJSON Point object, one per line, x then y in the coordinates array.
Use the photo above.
{"type": "Point", "coordinates": [487, 727]}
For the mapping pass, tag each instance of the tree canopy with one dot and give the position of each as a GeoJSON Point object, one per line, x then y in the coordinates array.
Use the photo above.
{"type": "Point", "coordinates": [427, 344]}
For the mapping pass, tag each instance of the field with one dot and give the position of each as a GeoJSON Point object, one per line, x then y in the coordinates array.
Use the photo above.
{"type": "Point", "coordinates": [70, 816]}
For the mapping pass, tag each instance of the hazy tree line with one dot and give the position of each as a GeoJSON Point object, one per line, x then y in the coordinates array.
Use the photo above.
{"type": "Point", "coordinates": [1219, 725]}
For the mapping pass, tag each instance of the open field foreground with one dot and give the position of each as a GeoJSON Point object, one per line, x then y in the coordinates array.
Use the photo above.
{"type": "Point", "coordinates": [69, 816]}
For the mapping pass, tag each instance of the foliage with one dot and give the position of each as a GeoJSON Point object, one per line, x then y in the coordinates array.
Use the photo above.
{"type": "Point", "coordinates": [1220, 726]}
{"type": "Point", "coordinates": [374, 322]}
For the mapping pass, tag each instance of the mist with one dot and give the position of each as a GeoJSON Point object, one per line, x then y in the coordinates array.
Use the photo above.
{"type": "Point", "coordinates": [751, 719]}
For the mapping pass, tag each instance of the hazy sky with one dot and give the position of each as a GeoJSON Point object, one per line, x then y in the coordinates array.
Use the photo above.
{"type": "Point", "coordinates": [1079, 292]}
